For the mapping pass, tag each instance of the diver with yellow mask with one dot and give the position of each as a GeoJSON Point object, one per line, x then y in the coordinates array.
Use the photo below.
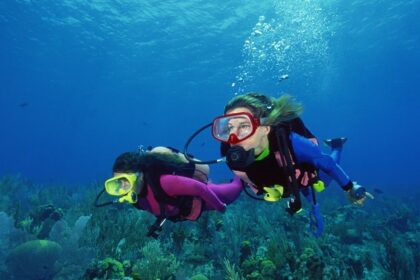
{"type": "Point", "coordinates": [168, 186]}
{"type": "Point", "coordinates": [126, 186]}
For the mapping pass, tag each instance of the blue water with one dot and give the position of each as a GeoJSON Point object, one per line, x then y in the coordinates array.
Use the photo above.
{"type": "Point", "coordinates": [82, 81]}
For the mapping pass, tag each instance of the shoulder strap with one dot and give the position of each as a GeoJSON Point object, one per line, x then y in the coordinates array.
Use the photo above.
{"type": "Point", "coordinates": [281, 135]}
{"type": "Point", "coordinates": [289, 168]}
{"type": "Point", "coordinates": [182, 202]}
{"type": "Point", "coordinates": [153, 180]}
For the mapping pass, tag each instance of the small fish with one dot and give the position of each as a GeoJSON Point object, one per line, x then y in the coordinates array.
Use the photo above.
{"type": "Point", "coordinates": [283, 77]}
{"type": "Point", "coordinates": [23, 104]}
{"type": "Point", "coordinates": [378, 191]}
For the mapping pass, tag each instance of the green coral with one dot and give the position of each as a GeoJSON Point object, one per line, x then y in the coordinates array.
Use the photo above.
{"type": "Point", "coordinates": [268, 269]}
{"type": "Point", "coordinates": [36, 259]}
{"type": "Point", "coordinates": [245, 251]}
{"type": "Point", "coordinates": [310, 265]}
{"type": "Point", "coordinates": [357, 244]}
{"type": "Point", "coordinates": [249, 265]}
{"type": "Point", "coordinates": [278, 251]}
{"type": "Point", "coordinates": [199, 277]}
{"type": "Point", "coordinates": [108, 268]}
{"type": "Point", "coordinates": [259, 268]}
{"type": "Point", "coordinates": [255, 275]}
{"type": "Point", "coordinates": [156, 262]}
{"type": "Point", "coordinates": [178, 236]}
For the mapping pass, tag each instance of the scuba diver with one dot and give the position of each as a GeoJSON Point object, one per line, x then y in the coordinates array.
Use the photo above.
{"type": "Point", "coordinates": [267, 145]}
{"type": "Point", "coordinates": [162, 182]}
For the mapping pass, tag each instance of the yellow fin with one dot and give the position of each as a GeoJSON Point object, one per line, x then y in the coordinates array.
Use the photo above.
{"type": "Point", "coordinates": [319, 186]}
{"type": "Point", "coordinates": [274, 193]}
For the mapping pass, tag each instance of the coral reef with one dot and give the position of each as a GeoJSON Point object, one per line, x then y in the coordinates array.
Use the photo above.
{"type": "Point", "coordinates": [60, 236]}
{"type": "Point", "coordinates": [156, 263]}
{"type": "Point", "coordinates": [41, 220]}
{"type": "Point", "coordinates": [108, 268]}
{"type": "Point", "coordinates": [33, 260]}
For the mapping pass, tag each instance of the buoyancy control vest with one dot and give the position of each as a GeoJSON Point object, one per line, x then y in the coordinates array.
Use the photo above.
{"type": "Point", "coordinates": [271, 170]}
{"type": "Point", "coordinates": [190, 208]}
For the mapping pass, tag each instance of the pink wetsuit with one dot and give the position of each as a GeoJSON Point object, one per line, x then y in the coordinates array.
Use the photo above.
{"type": "Point", "coordinates": [214, 197]}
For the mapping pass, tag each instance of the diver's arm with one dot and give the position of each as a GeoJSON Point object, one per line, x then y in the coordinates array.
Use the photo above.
{"type": "Point", "coordinates": [179, 186]}
{"type": "Point", "coordinates": [307, 151]}
{"type": "Point", "coordinates": [228, 192]}
{"type": "Point", "coordinates": [246, 180]}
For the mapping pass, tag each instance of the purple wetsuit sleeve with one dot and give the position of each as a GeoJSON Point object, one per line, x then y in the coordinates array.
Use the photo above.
{"type": "Point", "coordinates": [228, 192]}
{"type": "Point", "coordinates": [308, 152]}
{"type": "Point", "coordinates": [177, 186]}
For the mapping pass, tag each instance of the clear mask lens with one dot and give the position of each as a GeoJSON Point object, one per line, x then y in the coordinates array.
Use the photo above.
{"type": "Point", "coordinates": [235, 126]}
{"type": "Point", "coordinates": [121, 184]}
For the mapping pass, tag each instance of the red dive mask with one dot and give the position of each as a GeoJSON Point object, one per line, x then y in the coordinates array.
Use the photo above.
{"type": "Point", "coordinates": [234, 128]}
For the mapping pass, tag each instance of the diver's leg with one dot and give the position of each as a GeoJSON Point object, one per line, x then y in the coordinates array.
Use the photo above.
{"type": "Point", "coordinates": [336, 145]}
{"type": "Point", "coordinates": [307, 193]}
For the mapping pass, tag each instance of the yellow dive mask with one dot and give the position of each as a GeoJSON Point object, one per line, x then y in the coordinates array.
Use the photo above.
{"type": "Point", "coordinates": [123, 185]}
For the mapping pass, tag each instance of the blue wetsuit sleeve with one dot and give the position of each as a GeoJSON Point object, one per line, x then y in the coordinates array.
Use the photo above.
{"type": "Point", "coordinates": [308, 152]}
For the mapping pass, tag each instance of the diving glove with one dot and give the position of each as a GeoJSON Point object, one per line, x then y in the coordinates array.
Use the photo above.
{"type": "Point", "coordinates": [274, 193]}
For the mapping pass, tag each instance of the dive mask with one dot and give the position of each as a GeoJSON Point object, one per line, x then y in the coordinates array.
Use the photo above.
{"type": "Point", "coordinates": [234, 128]}
{"type": "Point", "coordinates": [123, 186]}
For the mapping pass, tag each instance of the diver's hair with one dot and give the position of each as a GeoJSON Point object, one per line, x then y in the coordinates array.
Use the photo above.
{"type": "Point", "coordinates": [276, 111]}
{"type": "Point", "coordinates": [131, 162]}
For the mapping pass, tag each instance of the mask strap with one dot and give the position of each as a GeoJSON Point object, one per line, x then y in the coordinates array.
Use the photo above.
{"type": "Point", "coordinates": [140, 185]}
{"type": "Point", "coordinates": [97, 204]}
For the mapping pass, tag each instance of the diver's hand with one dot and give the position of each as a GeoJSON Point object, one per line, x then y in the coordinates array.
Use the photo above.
{"type": "Point", "coordinates": [357, 195]}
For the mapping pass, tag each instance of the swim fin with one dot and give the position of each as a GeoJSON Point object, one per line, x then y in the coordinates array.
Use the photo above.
{"type": "Point", "coordinates": [335, 142]}
{"type": "Point", "coordinates": [274, 193]}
